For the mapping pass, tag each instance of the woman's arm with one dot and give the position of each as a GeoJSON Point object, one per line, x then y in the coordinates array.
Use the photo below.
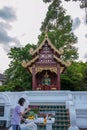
{"type": "Point", "coordinates": [24, 112]}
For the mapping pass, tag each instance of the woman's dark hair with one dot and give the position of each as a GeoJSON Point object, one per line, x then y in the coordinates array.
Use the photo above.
{"type": "Point", "coordinates": [21, 101]}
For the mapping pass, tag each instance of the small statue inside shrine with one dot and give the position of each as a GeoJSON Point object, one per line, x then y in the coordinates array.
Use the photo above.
{"type": "Point", "coordinates": [46, 80]}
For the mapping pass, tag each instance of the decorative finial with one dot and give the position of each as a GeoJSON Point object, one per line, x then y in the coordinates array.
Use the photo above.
{"type": "Point", "coordinates": [24, 63]}
{"type": "Point", "coordinates": [68, 63]}
{"type": "Point", "coordinates": [31, 51]}
{"type": "Point", "coordinates": [46, 36]}
{"type": "Point", "coordinates": [61, 50]}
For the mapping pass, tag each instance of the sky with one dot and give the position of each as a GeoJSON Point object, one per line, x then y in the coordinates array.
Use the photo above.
{"type": "Point", "coordinates": [20, 22]}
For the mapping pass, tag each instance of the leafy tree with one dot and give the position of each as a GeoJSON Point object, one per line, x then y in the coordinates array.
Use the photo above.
{"type": "Point", "coordinates": [74, 77]}
{"type": "Point", "coordinates": [18, 77]}
{"type": "Point", "coordinates": [58, 26]}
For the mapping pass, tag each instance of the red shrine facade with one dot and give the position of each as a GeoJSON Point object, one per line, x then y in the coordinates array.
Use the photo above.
{"type": "Point", "coordinates": [46, 66]}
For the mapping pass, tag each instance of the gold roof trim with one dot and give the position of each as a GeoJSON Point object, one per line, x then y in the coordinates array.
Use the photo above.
{"type": "Point", "coordinates": [40, 69]}
{"type": "Point", "coordinates": [67, 63]}
{"type": "Point", "coordinates": [33, 60]}
{"type": "Point", "coordinates": [30, 69]}
{"type": "Point", "coordinates": [31, 51]}
{"type": "Point", "coordinates": [60, 51]}
{"type": "Point", "coordinates": [62, 69]}
{"type": "Point", "coordinates": [24, 64]}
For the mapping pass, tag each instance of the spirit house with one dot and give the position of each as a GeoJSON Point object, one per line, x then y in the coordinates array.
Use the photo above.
{"type": "Point", "coordinates": [46, 66]}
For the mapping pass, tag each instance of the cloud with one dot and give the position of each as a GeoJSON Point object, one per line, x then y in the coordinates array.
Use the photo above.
{"type": "Point", "coordinates": [8, 14]}
{"type": "Point", "coordinates": [4, 37]}
{"type": "Point", "coordinates": [5, 25]}
{"type": "Point", "coordinates": [85, 56]}
{"type": "Point", "coordinates": [86, 35]}
{"type": "Point", "coordinates": [7, 47]}
{"type": "Point", "coordinates": [76, 23]}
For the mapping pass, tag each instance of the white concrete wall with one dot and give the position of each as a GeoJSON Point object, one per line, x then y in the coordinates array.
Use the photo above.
{"type": "Point", "coordinates": [76, 99]}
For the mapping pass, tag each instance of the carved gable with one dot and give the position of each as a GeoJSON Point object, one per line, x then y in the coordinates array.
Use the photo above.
{"type": "Point", "coordinates": [46, 55]}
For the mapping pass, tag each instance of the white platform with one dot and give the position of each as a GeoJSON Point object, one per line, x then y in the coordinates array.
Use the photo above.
{"type": "Point", "coordinates": [76, 102]}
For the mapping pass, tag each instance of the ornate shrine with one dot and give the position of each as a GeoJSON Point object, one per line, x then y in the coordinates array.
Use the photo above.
{"type": "Point", "coordinates": [46, 66]}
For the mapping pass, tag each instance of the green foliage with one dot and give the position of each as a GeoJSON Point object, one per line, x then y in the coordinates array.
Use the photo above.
{"type": "Point", "coordinates": [47, 1]}
{"type": "Point", "coordinates": [75, 77]}
{"type": "Point", "coordinates": [34, 111]}
{"type": "Point", "coordinates": [31, 113]}
{"type": "Point", "coordinates": [7, 87]}
{"type": "Point", "coordinates": [18, 78]}
{"type": "Point", "coordinates": [58, 26]}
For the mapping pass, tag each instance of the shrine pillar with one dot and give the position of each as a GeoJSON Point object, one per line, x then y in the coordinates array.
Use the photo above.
{"type": "Point", "coordinates": [58, 77]}
{"type": "Point", "coordinates": [33, 77]}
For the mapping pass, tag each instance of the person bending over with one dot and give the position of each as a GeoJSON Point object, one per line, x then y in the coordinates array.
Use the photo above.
{"type": "Point", "coordinates": [17, 115]}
